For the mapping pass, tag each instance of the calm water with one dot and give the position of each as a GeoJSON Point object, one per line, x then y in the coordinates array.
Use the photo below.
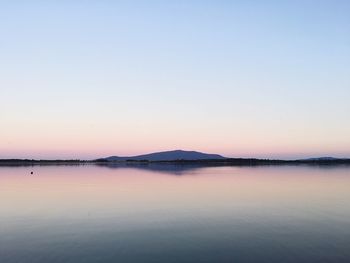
{"type": "Point", "coordinates": [174, 214]}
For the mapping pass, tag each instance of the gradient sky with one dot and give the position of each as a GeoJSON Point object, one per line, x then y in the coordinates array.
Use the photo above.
{"type": "Point", "coordinates": [84, 79]}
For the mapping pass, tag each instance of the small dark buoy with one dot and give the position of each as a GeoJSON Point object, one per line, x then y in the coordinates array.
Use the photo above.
{"type": "Point", "coordinates": [31, 172]}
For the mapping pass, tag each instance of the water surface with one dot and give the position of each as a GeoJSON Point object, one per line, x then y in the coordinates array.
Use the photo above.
{"type": "Point", "coordinates": [169, 213]}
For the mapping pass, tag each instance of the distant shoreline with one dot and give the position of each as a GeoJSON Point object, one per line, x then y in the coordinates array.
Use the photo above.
{"type": "Point", "coordinates": [206, 162]}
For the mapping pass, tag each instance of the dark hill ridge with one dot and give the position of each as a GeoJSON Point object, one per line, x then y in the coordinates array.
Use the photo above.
{"type": "Point", "coordinates": [321, 159]}
{"type": "Point", "coordinates": [168, 156]}
{"type": "Point", "coordinates": [179, 157]}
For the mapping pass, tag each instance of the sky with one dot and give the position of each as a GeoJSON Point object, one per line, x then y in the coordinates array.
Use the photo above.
{"type": "Point", "coordinates": [85, 79]}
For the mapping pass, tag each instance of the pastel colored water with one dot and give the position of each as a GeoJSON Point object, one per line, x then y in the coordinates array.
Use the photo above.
{"type": "Point", "coordinates": [174, 214]}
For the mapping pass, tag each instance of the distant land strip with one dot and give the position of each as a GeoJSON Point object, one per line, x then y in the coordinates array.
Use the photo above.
{"type": "Point", "coordinates": [204, 162]}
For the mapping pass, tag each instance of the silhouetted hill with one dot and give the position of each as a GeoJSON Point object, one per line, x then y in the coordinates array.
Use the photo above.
{"type": "Point", "coordinates": [321, 159]}
{"type": "Point", "coordinates": [167, 156]}
{"type": "Point", "coordinates": [179, 157]}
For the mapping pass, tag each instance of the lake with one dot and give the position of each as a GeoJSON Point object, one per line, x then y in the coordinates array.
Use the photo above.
{"type": "Point", "coordinates": [172, 213]}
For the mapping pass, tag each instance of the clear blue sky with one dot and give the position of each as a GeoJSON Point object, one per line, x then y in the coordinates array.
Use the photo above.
{"type": "Point", "coordinates": [81, 79]}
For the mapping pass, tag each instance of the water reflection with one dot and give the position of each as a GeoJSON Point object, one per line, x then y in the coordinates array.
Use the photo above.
{"type": "Point", "coordinates": [190, 168]}
{"type": "Point", "coordinates": [209, 214]}
{"type": "Point", "coordinates": [164, 168]}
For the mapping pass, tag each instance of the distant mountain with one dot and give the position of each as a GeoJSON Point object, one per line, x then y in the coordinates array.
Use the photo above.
{"type": "Point", "coordinates": [321, 159]}
{"type": "Point", "coordinates": [167, 156]}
